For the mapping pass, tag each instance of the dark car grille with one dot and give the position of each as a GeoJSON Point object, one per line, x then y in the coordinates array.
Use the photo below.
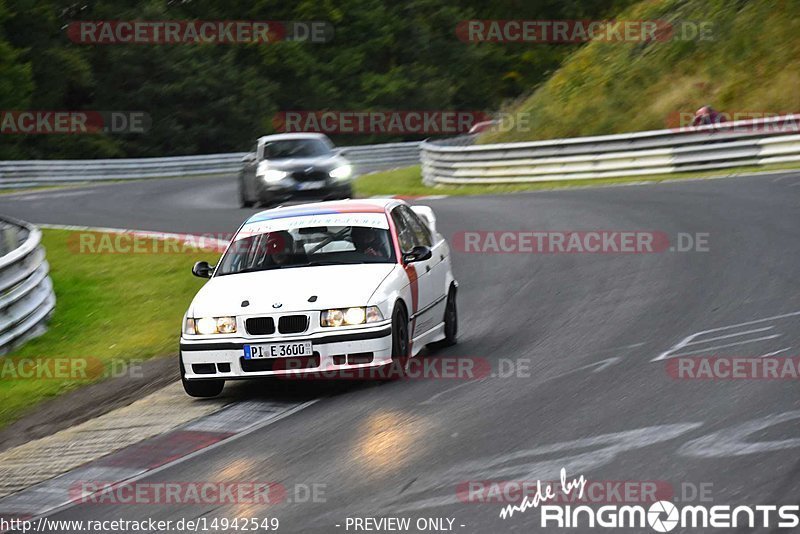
{"type": "Point", "coordinates": [280, 364]}
{"type": "Point", "coordinates": [311, 176]}
{"type": "Point", "coordinates": [292, 324]}
{"type": "Point", "coordinates": [260, 326]}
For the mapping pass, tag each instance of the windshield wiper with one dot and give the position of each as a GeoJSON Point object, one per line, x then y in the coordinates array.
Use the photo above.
{"type": "Point", "coordinates": [253, 270]}
{"type": "Point", "coordinates": [329, 262]}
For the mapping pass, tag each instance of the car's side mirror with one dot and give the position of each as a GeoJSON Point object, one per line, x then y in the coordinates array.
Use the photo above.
{"type": "Point", "coordinates": [419, 253]}
{"type": "Point", "coordinates": [249, 158]}
{"type": "Point", "coordinates": [202, 269]}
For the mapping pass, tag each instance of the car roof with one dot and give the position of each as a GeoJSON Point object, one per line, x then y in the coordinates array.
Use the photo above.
{"type": "Point", "coordinates": [365, 205]}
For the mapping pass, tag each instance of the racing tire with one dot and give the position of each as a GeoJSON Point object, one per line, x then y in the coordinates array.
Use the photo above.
{"type": "Point", "coordinates": [450, 319]}
{"type": "Point", "coordinates": [202, 389]}
{"type": "Point", "coordinates": [244, 202]}
{"type": "Point", "coordinates": [401, 346]}
{"type": "Point", "coordinates": [347, 194]}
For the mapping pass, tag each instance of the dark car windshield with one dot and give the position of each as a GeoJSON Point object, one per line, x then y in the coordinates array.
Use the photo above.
{"type": "Point", "coordinates": [310, 246]}
{"type": "Point", "coordinates": [295, 148]}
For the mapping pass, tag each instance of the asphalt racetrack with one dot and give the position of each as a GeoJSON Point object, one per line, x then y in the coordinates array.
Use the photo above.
{"type": "Point", "coordinates": [579, 347]}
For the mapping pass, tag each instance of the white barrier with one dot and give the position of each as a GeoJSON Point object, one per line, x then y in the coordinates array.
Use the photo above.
{"type": "Point", "coordinates": [24, 174]}
{"type": "Point", "coordinates": [26, 292]}
{"type": "Point", "coordinates": [742, 143]}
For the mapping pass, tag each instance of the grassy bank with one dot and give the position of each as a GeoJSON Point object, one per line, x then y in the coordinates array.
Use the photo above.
{"type": "Point", "coordinates": [749, 63]}
{"type": "Point", "coordinates": [111, 308]}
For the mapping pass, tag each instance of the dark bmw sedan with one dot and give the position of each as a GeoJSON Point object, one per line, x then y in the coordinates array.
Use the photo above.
{"type": "Point", "coordinates": [284, 166]}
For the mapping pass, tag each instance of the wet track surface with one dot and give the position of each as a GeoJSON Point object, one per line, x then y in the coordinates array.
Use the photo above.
{"type": "Point", "coordinates": [582, 331]}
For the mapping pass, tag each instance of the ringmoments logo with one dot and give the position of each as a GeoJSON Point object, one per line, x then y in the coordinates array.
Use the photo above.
{"type": "Point", "coordinates": [660, 516]}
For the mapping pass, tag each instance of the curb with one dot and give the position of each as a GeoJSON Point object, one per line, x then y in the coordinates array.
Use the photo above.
{"type": "Point", "coordinates": [145, 458]}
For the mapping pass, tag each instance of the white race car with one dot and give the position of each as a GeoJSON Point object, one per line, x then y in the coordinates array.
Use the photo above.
{"type": "Point", "coordinates": [317, 289]}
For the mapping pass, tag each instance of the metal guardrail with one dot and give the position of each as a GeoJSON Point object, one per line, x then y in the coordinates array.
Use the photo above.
{"type": "Point", "coordinates": [26, 292]}
{"type": "Point", "coordinates": [23, 174]}
{"type": "Point", "coordinates": [374, 158]}
{"type": "Point", "coordinates": [735, 144]}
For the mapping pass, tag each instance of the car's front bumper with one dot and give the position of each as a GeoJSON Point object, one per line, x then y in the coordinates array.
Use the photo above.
{"type": "Point", "coordinates": [289, 188]}
{"type": "Point", "coordinates": [204, 359]}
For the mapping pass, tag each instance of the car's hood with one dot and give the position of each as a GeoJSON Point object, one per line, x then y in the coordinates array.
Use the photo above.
{"type": "Point", "coordinates": [322, 163]}
{"type": "Point", "coordinates": [335, 286]}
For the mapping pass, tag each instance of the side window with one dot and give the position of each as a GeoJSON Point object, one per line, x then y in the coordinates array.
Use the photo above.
{"type": "Point", "coordinates": [404, 234]}
{"type": "Point", "coordinates": [422, 234]}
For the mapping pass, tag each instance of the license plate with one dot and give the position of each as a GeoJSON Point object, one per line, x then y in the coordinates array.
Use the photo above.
{"type": "Point", "coordinates": [305, 186]}
{"type": "Point", "coordinates": [278, 350]}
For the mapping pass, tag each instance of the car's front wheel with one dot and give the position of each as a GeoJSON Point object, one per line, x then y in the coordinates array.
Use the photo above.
{"type": "Point", "coordinates": [348, 193]}
{"type": "Point", "coordinates": [400, 343]}
{"type": "Point", "coordinates": [451, 319]}
{"type": "Point", "coordinates": [244, 201]}
{"type": "Point", "coordinates": [201, 388]}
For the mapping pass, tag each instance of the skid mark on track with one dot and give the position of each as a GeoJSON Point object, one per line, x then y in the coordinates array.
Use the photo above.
{"type": "Point", "coordinates": [774, 353]}
{"type": "Point", "coordinates": [697, 341]}
{"type": "Point", "coordinates": [431, 400]}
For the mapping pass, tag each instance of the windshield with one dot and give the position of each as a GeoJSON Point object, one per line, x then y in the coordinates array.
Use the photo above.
{"type": "Point", "coordinates": [295, 148]}
{"type": "Point", "coordinates": [308, 246]}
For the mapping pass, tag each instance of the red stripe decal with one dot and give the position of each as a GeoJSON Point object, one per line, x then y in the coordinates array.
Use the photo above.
{"type": "Point", "coordinates": [411, 272]}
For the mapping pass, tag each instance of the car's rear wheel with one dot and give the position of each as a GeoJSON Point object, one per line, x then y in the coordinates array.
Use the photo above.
{"type": "Point", "coordinates": [450, 319]}
{"type": "Point", "coordinates": [201, 388]}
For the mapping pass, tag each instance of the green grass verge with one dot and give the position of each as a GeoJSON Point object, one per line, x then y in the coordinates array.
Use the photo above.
{"type": "Point", "coordinates": [408, 182]}
{"type": "Point", "coordinates": [110, 307]}
{"type": "Point", "coordinates": [33, 189]}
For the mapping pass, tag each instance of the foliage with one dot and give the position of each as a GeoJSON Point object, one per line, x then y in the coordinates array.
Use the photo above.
{"type": "Point", "coordinates": [215, 98]}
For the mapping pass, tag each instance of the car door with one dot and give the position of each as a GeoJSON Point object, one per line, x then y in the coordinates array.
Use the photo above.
{"type": "Point", "coordinates": [417, 272]}
{"type": "Point", "coordinates": [435, 271]}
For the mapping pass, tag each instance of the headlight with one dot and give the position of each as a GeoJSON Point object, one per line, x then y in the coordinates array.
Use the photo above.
{"type": "Point", "coordinates": [341, 173]}
{"type": "Point", "coordinates": [350, 316]}
{"type": "Point", "coordinates": [226, 325]}
{"type": "Point", "coordinates": [207, 326]}
{"type": "Point", "coordinates": [269, 175]}
{"type": "Point", "coordinates": [272, 175]}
